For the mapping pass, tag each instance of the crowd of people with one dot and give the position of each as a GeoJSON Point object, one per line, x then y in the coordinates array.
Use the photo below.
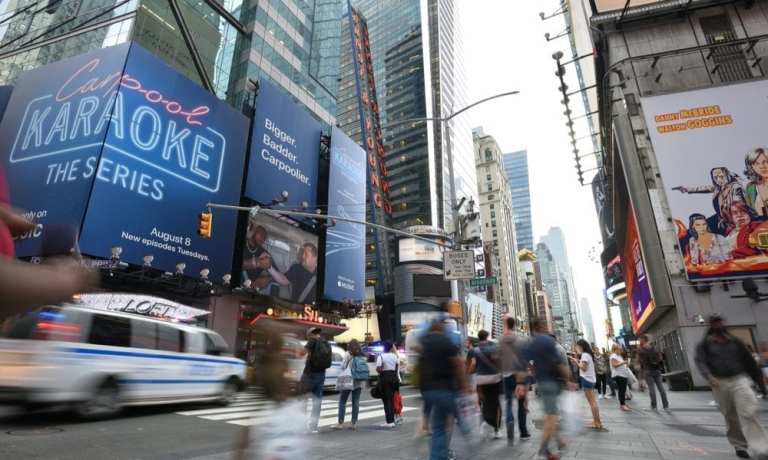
{"type": "Point", "coordinates": [492, 378]}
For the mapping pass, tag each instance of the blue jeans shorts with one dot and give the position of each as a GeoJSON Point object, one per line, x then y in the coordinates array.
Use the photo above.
{"type": "Point", "coordinates": [586, 384]}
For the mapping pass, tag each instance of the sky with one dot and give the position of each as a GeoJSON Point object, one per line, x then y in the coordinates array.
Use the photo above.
{"type": "Point", "coordinates": [505, 49]}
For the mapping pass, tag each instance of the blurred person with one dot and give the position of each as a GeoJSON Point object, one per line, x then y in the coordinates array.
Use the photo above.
{"type": "Point", "coordinates": [764, 359]}
{"type": "Point", "coordinates": [485, 358]}
{"type": "Point", "coordinates": [551, 371]}
{"type": "Point", "coordinates": [319, 358]}
{"type": "Point", "coordinates": [360, 374]}
{"type": "Point", "coordinates": [588, 377]}
{"type": "Point", "coordinates": [729, 368]}
{"type": "Point", "coordinates": [442, 379]}
{"type": "Point", "coordinates": [514, 368]}
{"type": "Point", "coordinates": [620, 374]}
{"type": "Point", "coordinates": [652, 364]}
{"type": "Point", "coordinates": [637, 370]}
{"type": "Point", "coordinates": [611, 384]}
{"type": "Point", "coordinates": [602, 371]}
{"type": "Point", "coordinates": [397, 398]}
{"type": "Point", "coordinates": [387, 365]}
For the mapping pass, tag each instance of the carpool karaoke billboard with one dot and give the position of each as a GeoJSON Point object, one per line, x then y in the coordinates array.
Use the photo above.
{"type": "Point", "coordinates": [120, 147]}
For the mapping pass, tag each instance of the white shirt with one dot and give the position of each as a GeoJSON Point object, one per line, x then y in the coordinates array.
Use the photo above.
{"type": "Point", "coordinates": [387, 361]}
{"type": "Point", "coordinates": [622, 370]}
{"type": "Point", "coordinates": [588, 374]}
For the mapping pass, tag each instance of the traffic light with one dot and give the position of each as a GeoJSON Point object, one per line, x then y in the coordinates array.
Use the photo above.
{"type": "Point", "coordinates": [205, 224]}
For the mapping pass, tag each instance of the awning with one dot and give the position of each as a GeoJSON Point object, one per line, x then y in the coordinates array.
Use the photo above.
{"type": "Point", "coordinates": [297, 325]}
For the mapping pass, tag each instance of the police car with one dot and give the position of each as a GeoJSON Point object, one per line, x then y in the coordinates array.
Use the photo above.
{"type": "Point", "coordinates": [100, 361]}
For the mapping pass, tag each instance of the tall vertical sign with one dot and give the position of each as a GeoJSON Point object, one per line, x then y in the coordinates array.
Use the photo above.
{"type": "Point", "coordinates": [345, 244]}
{"type": "Point", "coordinates": [638, 290]}
{"type": "Point", "coordinates": [373, 144]}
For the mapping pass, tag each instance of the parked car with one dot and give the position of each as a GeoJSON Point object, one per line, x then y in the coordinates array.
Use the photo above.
{"type": "Point", "coordinates": [100, 361]}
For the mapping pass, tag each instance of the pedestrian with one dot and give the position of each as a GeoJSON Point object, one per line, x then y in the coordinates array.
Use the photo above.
{"type": "Point", "coordinates": [611, 384]}
{"type": "Point", "coordinates": [652, 364]}
{"type": "Point", "coordinates": [729, 367]}
{"type": "Point", "coordinates": [397, 397]}
{"type": "Point", "coordinates": [485, 358]}
{"type": "Point", "coordinates": [620, 375]}
{"type": "Point", "coordinates": [355, 361]}
{"type": "Point", "coordinates": [551, 370]}
{"type": "Point", "coordinates": [387, 365]}
{"type": "Point", "coordinates": [602, 371]}
{"type": "Point", "coordinates": [442, 379]}
{"type": "Point", "coordinates": [312, 380]}
{"type": "Point", "coordinates": [588, 377]}
{"type": "Point", "coordinates": [514, 368]}
{"type": "Point", "coordinates": [637, 369]}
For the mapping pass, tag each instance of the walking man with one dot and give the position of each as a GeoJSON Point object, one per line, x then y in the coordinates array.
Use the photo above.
{"type": "Point", "coordinates": [514, 368]}
{"type": "Point", "coordinates": [728, 366]}
{"type": "Point", "coordinates": [312, 380]}
{"type": "Point", "coordinates": [551, 369]}
{"type": "Point", "coordinates": [651, 365]}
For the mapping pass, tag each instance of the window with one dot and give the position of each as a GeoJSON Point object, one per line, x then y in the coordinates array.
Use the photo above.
{"type": "Point", "coordinates": [491, 205]}
{"type": "Point", "coordinates": [490, 187]}
{"type": "Point", "coordinates": [215, 345]}
{"type": "Point", "coordinates": [143, 334]}
{"type": "Point", "coordinates": [490, 197]}
{"type": "Point", "coordinates": [168, 338]}
{"type": "Point", "coordinates": [495, 243]}
{"type": "Point", "coordinates": [493, 223]}
{"type": "Point", "coordinates": [488, 154]}
{"type": "Point", "coordinates": [113, 331]}
{"type": "Point", "coordinates": [495, 233]}
{"type": "Point", "coordinates": [488, 177]}
{"type": "Point", "coordinates": [729, 61]}
{"type": "Point", "coordinates": [493, 214]}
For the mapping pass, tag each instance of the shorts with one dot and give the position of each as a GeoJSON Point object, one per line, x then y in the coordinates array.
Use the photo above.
{"type": "Point", "coordinates": [549, 393]}
{"type": "Point", "coordinates": [586, 384]}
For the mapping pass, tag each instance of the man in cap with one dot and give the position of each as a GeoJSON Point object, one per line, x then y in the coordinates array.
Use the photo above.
{"type": "Point", "coordinates": [730, 369]}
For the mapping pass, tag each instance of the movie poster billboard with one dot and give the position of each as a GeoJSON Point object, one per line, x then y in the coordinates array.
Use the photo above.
{"type": "Point", "coordinates": [279, 259]}
{"type": "Point", "coordinates": [285, 151]}
{"type": "Point", "coordinates": [712, 149]}
{"type": "Point", "coordinates": [479, 314]}
{"type": "Point", "coordinates": [345, 241]}
{"type": "Point", "coordinates": [119, 149]}
{"type": "Point", "coordinates": [639, 296]}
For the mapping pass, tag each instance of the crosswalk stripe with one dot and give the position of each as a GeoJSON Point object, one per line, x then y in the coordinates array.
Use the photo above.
{"type": "Point", "coordinates": [232, 408]}
{"type": "Point", "coordinates": [366, 416]}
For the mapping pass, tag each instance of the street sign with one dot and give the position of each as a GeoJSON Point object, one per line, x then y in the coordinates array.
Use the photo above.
{"type": "Point", "coordinates": [477, 282]}
{"type": "Point", "coordinates": [459, 265]}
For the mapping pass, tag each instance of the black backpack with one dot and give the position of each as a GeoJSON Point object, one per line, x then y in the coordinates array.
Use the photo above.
{"type": "Point", "coordinates": [321, 356]}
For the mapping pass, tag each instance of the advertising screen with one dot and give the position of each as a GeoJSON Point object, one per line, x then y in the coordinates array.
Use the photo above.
{"type": "Point", "coordinates": [280, 260]}
{"type": "Point", "coordinates": [285, 151]}
{"type": "Point", "coordinates": [712, 149]}
{"type": "Point", "coordinates": [604, 6]}
{"type": "Point", "coordinates": [171, 147]}
{"type": "Point", "coordinates": [412, 250]}
{"type": "Point", "coordinates": [425, 285]}
{"type": "Point", "coordinates": [479, 314]}
{"type": "Point", "coordinates": [638, 290]}
{"type": "Point", "coordinates": [53, 130]}
{"type": "Point", "coordinates": [345, 242]}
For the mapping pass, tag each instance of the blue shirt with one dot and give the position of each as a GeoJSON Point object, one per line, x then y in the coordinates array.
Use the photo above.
{"type": "Point", "coordinates": [546, 359]}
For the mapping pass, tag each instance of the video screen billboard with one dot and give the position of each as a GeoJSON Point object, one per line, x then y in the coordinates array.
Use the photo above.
{"type": "Point", "coordinates": [345, 241]}
{"type": "Point", "coordinates": [53, 130]}
{"type": "Point", "coordinates": [413, 250]}
{"type": "Point", "coordinates": [641, 302]}
{"type": "Point", "coordinates": [120, 141]}
{"type": "Point", "coordinates": [280, 260]}
{"type": "Point", "coordinates": [712, 150]}
{"type": "Point", "coordinates": [285, 151]}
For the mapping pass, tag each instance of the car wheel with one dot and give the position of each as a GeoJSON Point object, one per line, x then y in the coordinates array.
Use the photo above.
{"type": "Point", "coordinates": [229, 391]}
{"type": "Point", "coordinates": [103, 403]}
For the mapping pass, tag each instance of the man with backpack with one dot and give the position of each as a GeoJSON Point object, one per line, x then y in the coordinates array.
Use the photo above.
{"type": "Point", "coordinates": [514, 369]}
{"type": "Point", "coordinates": [651, 365]}
{"type": "Point", "coordinates": [318, 360]}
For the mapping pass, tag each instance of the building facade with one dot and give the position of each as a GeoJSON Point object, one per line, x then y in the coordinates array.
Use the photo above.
{"type": "Point", "coordinates": [516, 166]}
{"type": "Point", "coordinates": [498, 227]}
{"type": "Point", "coordinates": [648, 56]}
{"type": "Point", "coordinates": [557, 293]}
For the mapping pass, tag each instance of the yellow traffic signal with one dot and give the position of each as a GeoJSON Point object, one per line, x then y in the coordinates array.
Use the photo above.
{"type": "Point", "coordinates": [205, 224]}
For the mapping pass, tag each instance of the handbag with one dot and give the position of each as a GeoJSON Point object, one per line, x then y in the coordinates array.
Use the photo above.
{"type": "Point", "coordinates": [345, 382]}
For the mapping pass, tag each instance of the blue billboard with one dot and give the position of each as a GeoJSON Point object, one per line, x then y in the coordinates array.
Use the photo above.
{"type": "Point", "coordinates": [345, 241]}
{"type": "Point", "coordinates": [285, 151]}
{"type": "Point", "coordinates": [134, 151]}
{"type": "Point", "coordinates": [53, 130]}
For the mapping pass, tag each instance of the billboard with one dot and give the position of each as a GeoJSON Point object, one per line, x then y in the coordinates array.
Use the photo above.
{"type": "Point", "coordinates": [345, 242]}
{"type": "Point", "coordinates": [279, 259]}
{"type": "Point", "coordinates": [120, 141]}
{"type": "Point", "coordinates": [479, 314]}
{"type": "Point", "coordinates": [604, 6]}
{"type": "Point", "coordinates": [413, 250]}
{"type": "Point", "coordinates": [712, 151]}
{"type": "Point", "coordinates": [641, 302]}
{"type": "Point", "coordinates": [285, 151]}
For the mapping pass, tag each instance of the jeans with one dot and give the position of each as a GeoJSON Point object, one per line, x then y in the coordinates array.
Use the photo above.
{"type": "Point", "coordinates": [355, 404]}
{"type": "Point", "coordinates": [389, 408]}
{"type": "Point", "coordinates": [510, 383]}
{"type": "Point", "coordinates": [602, 382]}
{"type": "Point", "coordinates": [444, 405]}
{"type": "Point", "coordinates": [621, 382]}
{"type": "Point", "coordinates": [315, 381]}
{"type": "Point", "coordinates": [653, 380]}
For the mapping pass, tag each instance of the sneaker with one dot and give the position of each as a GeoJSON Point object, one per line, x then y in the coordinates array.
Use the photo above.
{"type": "Point", "coordinates": [601, 397]}
{"type": "Point", "coordinates": [338, 426]}
{"type": "Point", "coordinates": [387, 425]}
{"type": "Point", "coordinates": [608, 396]}
{"type": "Point", "coordinates": [525, 436]}
{"type": "Point", "coordinates": [741, 453]}
{"type": "Point", "coordinates": [497, 435]}
{"type": "Point", "coordinates": [353, 427]}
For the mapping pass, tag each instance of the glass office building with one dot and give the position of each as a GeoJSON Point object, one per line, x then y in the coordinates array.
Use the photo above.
{"type": "Point", "coordinates": [516, 167]}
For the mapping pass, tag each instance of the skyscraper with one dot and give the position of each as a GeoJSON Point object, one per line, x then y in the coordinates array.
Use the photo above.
{"type": "Point", "coordinates": [556, 288]}
{"type": "Point", "coordinates": [516, 166]}
{"type": "Point", "coordinates": [555, 241]}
